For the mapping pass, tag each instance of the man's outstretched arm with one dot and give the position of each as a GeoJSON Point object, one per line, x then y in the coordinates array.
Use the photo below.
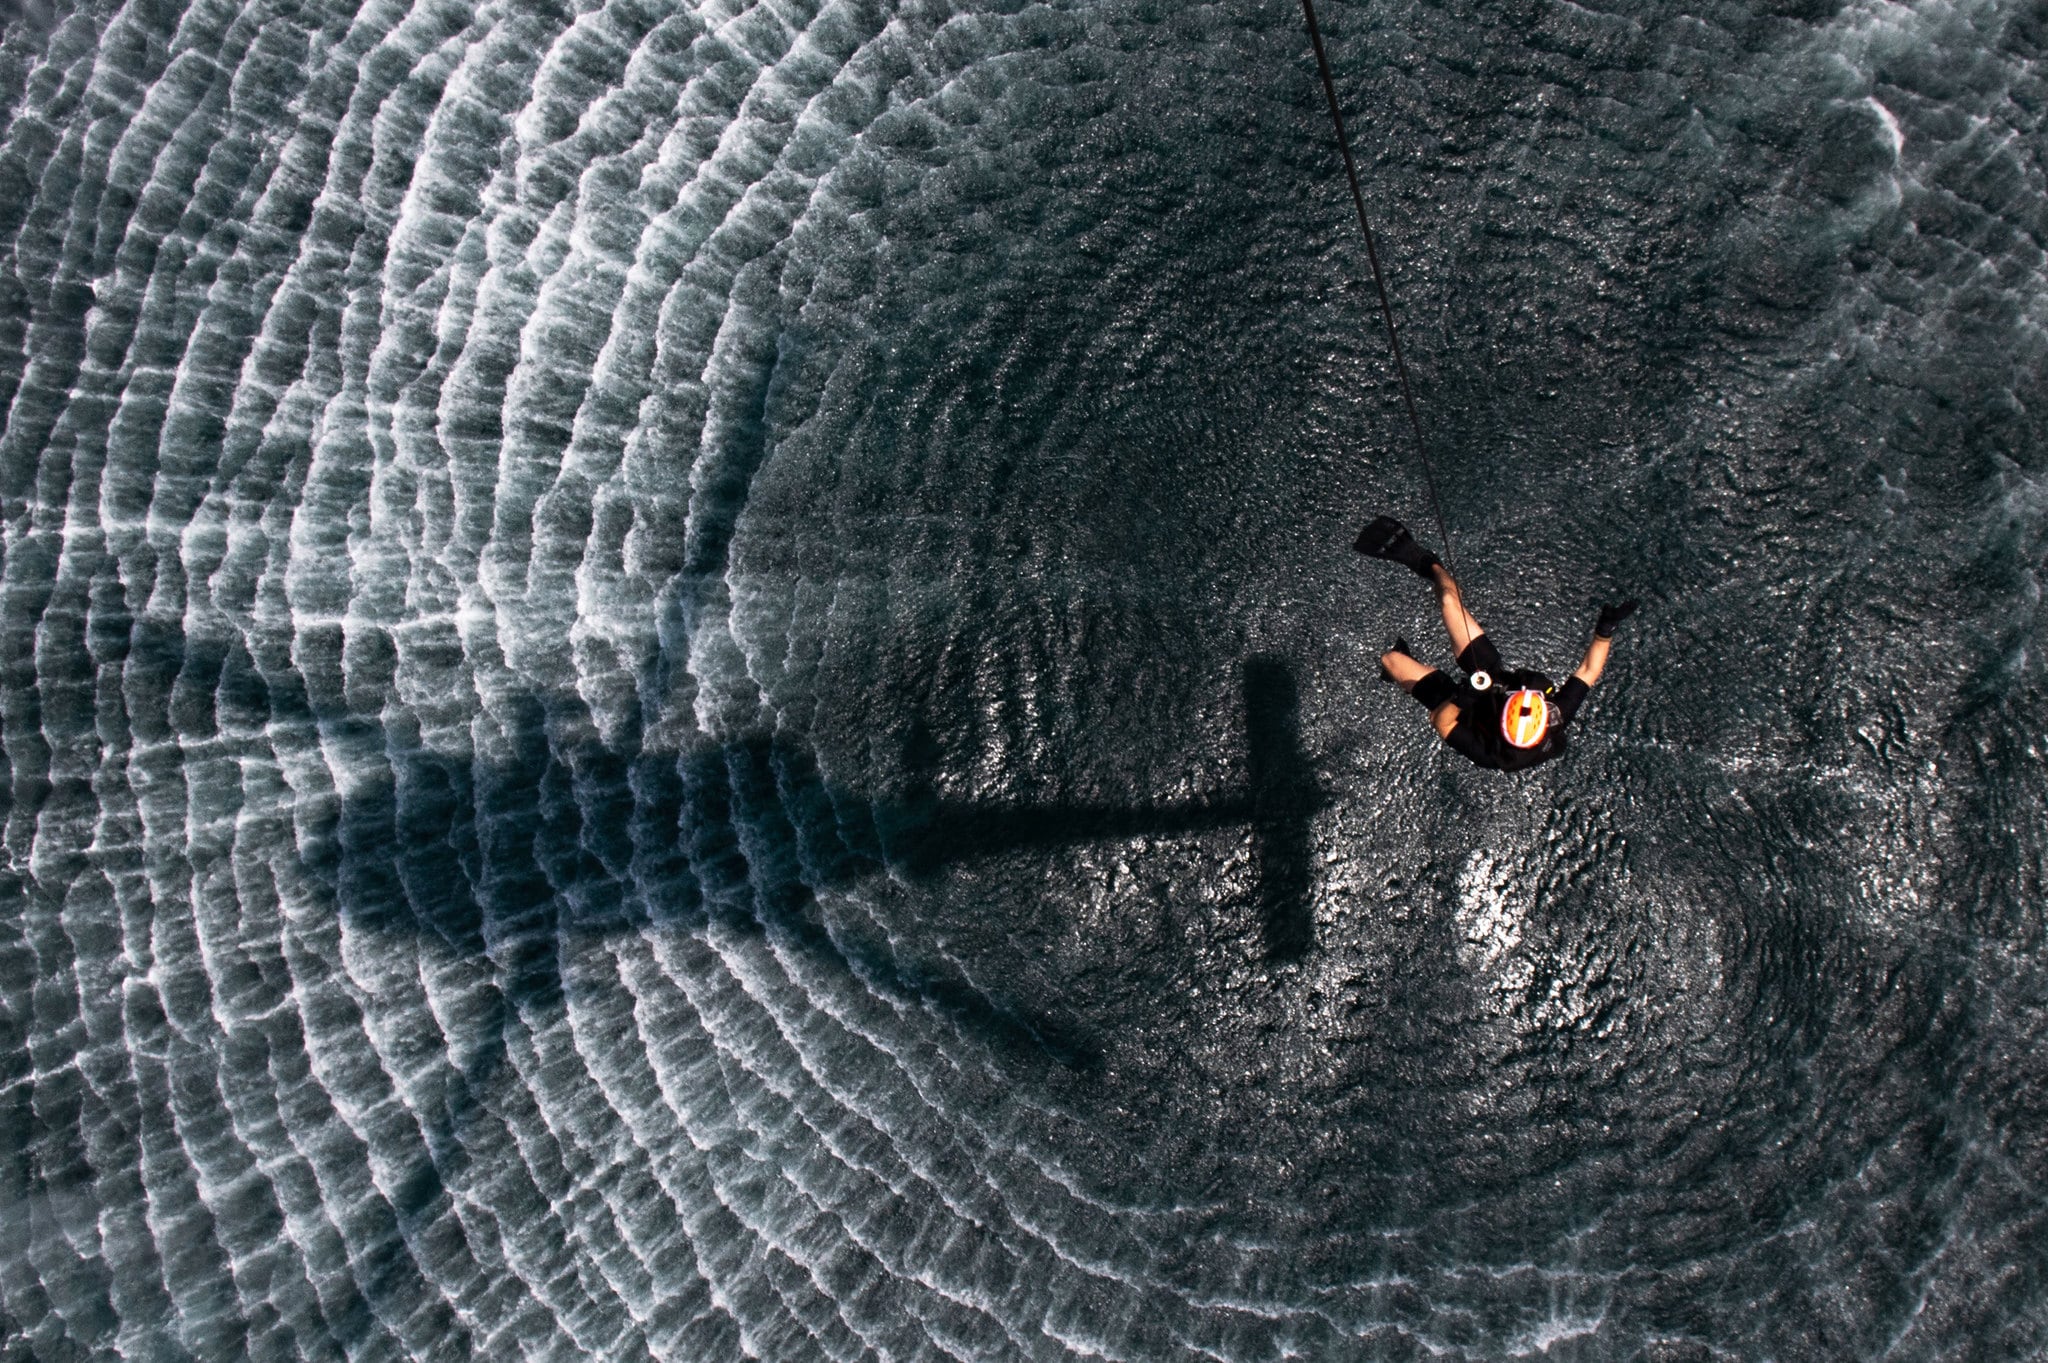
{"type": "Point", "coordinates": [1595, 661]}
{"type": "Point", "coordinates": [1603, 639]}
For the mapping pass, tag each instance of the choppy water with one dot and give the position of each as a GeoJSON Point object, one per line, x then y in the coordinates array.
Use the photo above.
{"type": "Point", "coordinates": [686, 683]}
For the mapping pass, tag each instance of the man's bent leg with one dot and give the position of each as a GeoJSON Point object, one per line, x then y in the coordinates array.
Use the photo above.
{"type": "Point", "coordinates": [1437, 694]}
{"type": "Point", "coordinates": [1403, 669]}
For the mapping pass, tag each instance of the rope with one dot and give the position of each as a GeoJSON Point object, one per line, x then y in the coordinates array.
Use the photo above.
{"type": "Point", "coordinates": [1372, 252]}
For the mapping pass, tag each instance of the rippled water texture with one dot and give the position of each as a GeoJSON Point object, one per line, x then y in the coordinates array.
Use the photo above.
{"type": "Point", "coordinates": [687, 684]}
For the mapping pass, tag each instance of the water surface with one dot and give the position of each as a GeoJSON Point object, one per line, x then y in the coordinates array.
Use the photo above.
{"type": "Point", "coordinates": [687, 683]}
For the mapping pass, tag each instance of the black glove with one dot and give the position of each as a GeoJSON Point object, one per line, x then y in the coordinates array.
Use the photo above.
{"type": "Point", "coordinates": [1610, 616]}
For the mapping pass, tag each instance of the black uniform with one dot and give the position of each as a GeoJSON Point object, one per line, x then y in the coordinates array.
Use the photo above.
{"type": "Point", "coordinates": [1477, 733]}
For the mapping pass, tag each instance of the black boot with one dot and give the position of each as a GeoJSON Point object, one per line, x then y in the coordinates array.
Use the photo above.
{"type": "Point", "coordinates": [1389, 539]}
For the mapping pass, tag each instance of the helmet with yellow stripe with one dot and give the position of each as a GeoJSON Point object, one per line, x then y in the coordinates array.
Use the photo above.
{"type": "Point", "coordinates": [1525, 718]}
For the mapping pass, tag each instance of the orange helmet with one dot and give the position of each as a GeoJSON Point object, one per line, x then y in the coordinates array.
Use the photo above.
{"type": "Point", "coordinates": [1526, 717]}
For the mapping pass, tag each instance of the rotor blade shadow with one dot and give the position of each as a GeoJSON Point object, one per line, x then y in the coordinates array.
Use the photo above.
{"type": "Point", "coordinates": [1282, 797]}
{"type": "Point", "coordinates": [1285, 799]}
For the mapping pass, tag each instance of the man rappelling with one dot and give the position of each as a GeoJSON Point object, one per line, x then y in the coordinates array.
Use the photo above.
{"type": "Point", "coordinates": [1502, 718]}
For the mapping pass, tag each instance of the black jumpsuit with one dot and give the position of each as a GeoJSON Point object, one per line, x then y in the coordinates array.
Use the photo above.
{"type": "Point", "coordinates": [1477, 733]}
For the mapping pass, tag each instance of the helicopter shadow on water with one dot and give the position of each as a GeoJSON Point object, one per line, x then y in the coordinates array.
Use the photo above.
{"type": "Point", "coordinates": [564, 836]}
{"type": "Point", "coordinates": [560, 840]}
{"type": "Point", "coordinates": [506, 861]}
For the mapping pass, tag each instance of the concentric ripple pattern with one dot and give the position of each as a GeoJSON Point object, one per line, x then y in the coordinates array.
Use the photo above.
{"type": "Point", "coordinates": [684, 682]}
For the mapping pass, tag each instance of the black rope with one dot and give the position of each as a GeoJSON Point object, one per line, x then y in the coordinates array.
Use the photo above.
{"type": "Point", "coordinates": [1372, 252]}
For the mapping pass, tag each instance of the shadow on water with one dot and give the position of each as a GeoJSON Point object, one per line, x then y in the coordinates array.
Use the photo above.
{"type": "Point", "coordinates": [1284, 797]}
{"type": "Point", "coordinates": [565, 836]}
{"type": "Point", "coordinates": [1280, 800]}
{"type": "Point", "coordinates": [561, 835]}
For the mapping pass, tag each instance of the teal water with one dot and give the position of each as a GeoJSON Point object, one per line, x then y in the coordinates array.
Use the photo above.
{"type": "Point", "coordinates": [687, 683]}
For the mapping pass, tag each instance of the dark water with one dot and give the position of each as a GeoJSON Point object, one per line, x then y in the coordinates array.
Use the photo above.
{"type": "Point", "coordinates": [688, 684]}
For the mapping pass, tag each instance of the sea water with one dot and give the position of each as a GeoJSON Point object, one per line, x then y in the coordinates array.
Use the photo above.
{"type": "Point", "coordinates": [686, 683]}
